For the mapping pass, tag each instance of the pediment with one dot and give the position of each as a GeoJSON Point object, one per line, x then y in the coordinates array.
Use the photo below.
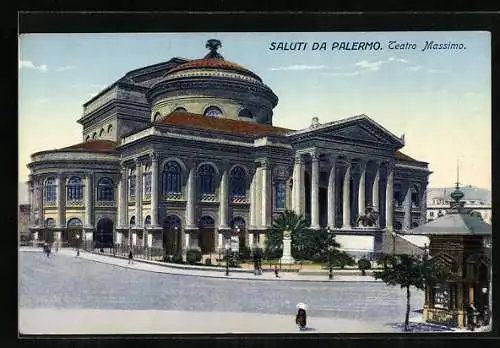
{"type": "Point", "coordinates": [361, 130]}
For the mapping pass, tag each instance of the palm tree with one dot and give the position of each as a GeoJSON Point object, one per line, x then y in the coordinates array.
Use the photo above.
{"type": "Point", "coordinates": [286, 221]}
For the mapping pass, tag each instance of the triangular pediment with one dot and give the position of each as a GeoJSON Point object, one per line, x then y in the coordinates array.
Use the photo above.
{"type": "Point", "coordinates": [360, 129]}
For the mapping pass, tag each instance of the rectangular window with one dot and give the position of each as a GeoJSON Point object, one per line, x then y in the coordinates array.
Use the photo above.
{"type": "Point", "coordinates": [431, 214]}
{"type": "Point", "coordinates": [131, 186]}
{"type": "Point", "coordinates": [280, 195]}
{"type": "Point", "coordinates": [147, 183]}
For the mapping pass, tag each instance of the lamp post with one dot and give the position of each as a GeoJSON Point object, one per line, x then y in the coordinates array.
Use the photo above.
{"type": "Point", "coordinates": [228, 247]}
{"type": "Point", "coordinates": [330, 251]}
{"type": "Point", "coordinates": [77, 244]}
{"type": "Point", "coordinates": [394, 234]}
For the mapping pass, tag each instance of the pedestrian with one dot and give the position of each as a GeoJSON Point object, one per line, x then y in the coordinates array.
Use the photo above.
{"type": "Point", "coordinates": [470, 317]}
{"type": "Point", "coordinates": [276, 272]}
{"type": "Point", "coordinates": [130, 257]}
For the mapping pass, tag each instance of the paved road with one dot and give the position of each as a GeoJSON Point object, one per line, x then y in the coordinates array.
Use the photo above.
{"type": "Point", "coordinates": [67, 282]}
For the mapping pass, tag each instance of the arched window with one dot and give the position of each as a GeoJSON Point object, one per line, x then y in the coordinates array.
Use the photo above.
{"type": "Point", "coordinates": [132, 221]}
{"type": "Point", "coordinates": [213, 111]}
{"type": "Point", "coordinates": [280, 195]}
{"type": "Point", "coordinates": [50, 190]}
{"type": "Point", "coordinates": [172, 222]}
{"type": "Point", "coordinates": [180, 109]}
{"type": "Point", "coordinates": [147, 180]}
{"type": "Point", "coordinates": [105, 190]}
{"type": "Point", "coordinates": [172, 178]}
{"type": "Point", "coordinates": [87, 138]}
{"type": "Point", "coordinates": [245, 113]}
{"type": "Point", "coordinates": [206, 222]}
{"type": "Point", "coordinates": [110, 128]}
{"type": "Point", "coordinates": [147, 220]}
{"type": "Point", "coordinates": [102, 133]}
{"type": "Point", "coordinates": [207, 179]}
{"type": "Point", "coordinates": [75, 189]}
{"type": "Point", "coordinates": [74, 222]}
{"type": "Point", "coordinates": [238, 182]}
{"type": "Point", "coordinates": [94, 136]}
{"type": "Point", "coordinates": [131, 183]}
{"type": "Point", "coordinates": [50, 222]}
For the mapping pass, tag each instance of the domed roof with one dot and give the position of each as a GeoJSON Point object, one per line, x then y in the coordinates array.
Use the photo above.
{"type": "Point", "coordinates": [213, 63]}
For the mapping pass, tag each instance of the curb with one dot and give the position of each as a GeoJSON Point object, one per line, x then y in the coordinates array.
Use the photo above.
{"type": "Point", "coordinates": [257, 278]}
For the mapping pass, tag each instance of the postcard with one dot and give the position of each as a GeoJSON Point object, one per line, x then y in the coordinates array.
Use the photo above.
{"type": "Point", "coordinates": [244, 182]}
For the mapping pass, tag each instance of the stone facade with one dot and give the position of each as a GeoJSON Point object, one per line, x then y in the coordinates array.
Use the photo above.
{"type": "Point", "coordinates": [194, 177]}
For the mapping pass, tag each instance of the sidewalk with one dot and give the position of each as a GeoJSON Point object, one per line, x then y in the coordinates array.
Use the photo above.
{"type": "Point", "coordinates": [161, 267]}
{"type": "Point", "coordinates": [106, 321]}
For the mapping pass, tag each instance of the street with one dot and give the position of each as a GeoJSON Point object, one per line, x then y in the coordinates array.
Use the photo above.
{"type": "Point", "coordinates": [66, 282]}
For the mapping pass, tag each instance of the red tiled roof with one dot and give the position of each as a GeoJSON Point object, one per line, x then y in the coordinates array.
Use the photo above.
{"type": "Point", "coordinates": [401, 156]}
{"type": "Point", "coordinates": [94, 146]}
{"type": "Point", "coordinates": [197, 121]}
{"type": "Point", "coordinates": [211, 63]}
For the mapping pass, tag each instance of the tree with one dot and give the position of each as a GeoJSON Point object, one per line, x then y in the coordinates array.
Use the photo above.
{"type": "Point", "coordinates": [407, 271]}
{"type": "Point", "coordinates": [287, 220]}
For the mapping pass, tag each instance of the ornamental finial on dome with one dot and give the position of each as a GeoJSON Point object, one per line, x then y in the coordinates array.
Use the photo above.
{"type": "Point", "coordinates": [457, 195]}
{"type": "Point", "coordinates": [213, 45]}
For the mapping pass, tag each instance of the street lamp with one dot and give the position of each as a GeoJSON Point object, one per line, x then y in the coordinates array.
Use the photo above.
{"type": "Point", "coordinates": [228, 247]}
{"type": "Point", "coordinates": [330, 251]}
{"type": "Point", "coordinates": [394, 234]}
{"type": "Point", "coordinates": [77, 244]}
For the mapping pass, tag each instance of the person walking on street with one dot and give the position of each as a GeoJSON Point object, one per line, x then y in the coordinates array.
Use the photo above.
{"type": "Point", "coordinates": [130, 257]}
{"type": "Point", "coordinates": [276, 271]}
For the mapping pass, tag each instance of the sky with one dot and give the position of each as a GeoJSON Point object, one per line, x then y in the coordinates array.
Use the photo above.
{"type": "Point", "coordinates": [440, 99]}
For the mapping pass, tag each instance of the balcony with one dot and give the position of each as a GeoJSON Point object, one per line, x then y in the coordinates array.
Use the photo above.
{"type": "Point", "coordinates": [105, 204]}
{"type": "Point", "coordinates": [78, 203]}
{"type": "Point", "coordinates": [239, 199]}
{"type": "Point", "coordinates": [49, 203]}
{"type": "Point", "coordinates": [173, 196]}
{"type": "Point", "coordinates": [207, 197]}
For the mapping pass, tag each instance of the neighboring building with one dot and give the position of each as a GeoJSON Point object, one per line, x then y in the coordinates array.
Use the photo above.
{"type": "Point", "coordinates": [24, 220]}
{"type": "Point", "coordinates": [475, 199]}
{"type": "Point", "coordinates": [183, 154]}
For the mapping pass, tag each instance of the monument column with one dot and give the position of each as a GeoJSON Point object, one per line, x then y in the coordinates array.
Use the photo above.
{"type": "Point", "coordinates": [361, 189]}
{"type": "Point", "coordinates": [331, 195]}
{"type": "Point", "coordinates": [154, 189]}
{"type": "Point", "coordinates": [346, 199]}
{"type": "Point", "coordinates": [389, 197]}
{"type": "Point", "coordinates": [315, 191]}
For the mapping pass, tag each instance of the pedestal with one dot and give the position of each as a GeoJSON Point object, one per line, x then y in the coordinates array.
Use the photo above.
{"type": "Point", "coordinates": [287, 258]}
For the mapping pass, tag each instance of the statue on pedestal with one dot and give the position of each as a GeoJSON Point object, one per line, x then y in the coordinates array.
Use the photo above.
{"type": "Point", "coordinates": [287, 258]}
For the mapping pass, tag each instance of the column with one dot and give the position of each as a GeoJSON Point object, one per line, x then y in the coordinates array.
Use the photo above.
{"type": "Point", "coordinates": [252, 202]}
{"type": "Point", "coordinates": [389, 197]}
{"type": "Point", "coordinates": [361, 189]}
{"type": "Point", "coordinates": [423, 205]}
{"type": "Point", "coordinates": [250, 240]}
{"type": "Point", "coordinates": [39, 203]}
{"type": "Point", "coordinates": [32, 203]}
{"type": "Point", "coordinates": [138, 193]}
{"type": "Point", "coordinates": [375, 191]}
{"type": "Point", "coordinates": [346, 199]}
{"type": "Point", "coordinates": [298, 177]}
{"type": "Point", "coordinates": [265, 191]}
{"type": "Point", "coordinates": [315, 191]}
{"type": "Point", "coordinates": [223, 199]}
{"type": "Point", "coordinates": [61, 201]}
{"type": "Point", "coordinates": [331, 195]}
{"type": "Point", "coordinates": [407, 218]}
{"type": "Point", "coordinates": [154, 190]}
{"type": "Point", "coordinates": [88, 200]}
{"type": "Point", "coordinates": [123, 202]}
{"type": "Point", "coordinates": [190, 202]}
{"type": "Point", "coordinates": [258, 196]}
